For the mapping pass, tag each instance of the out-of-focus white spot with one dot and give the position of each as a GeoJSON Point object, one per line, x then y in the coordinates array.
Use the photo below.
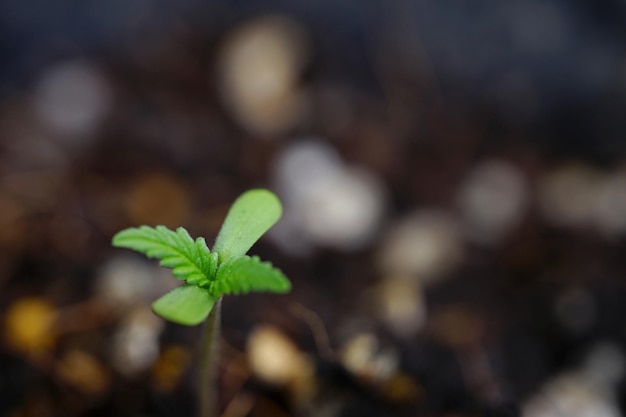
{"type": "Point", "coordinates": [610, 207]}
{"type": "Point", "coordinates": [568, 196]}
{"type": "Point", "coordinates": [325, 202]}
{"type": "Point", "coordinates": [570, 396]}
{"type": "Point", "coordinates": [588, 392]}
{"type": "Point", "coordinates": [136, 343]}
{"type": "Point", "coordinates": [604, 367]}
{"type": "Point", "coordinates": [123, 281]}
{"type": "Point", "coordinates": [493, 200]}
{"type": "Point", "coordinates": [343, 210]}
{"type": "Point", "coordinates": [305, 163]}
{"type": "Point", "coordinates": [363, 356]}
{"type": "Point", "coordinates": [426, 246]}
{"type": "Point", "coordinates": [401, 306]}
{"type": "Point", "coordinates": [274, 358]}
{"type": "Point", "coordinates": [578, 196]}
{"type": "Point", "coordinates": [576, 310]}
{"type": "Point", "coordinates": [73, 98]}
{"type": "Point", "coordinates": [259, 68]}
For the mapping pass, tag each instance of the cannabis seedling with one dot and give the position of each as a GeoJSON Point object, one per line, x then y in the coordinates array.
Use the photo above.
{"type": "Point", "coordinates": [209, 275]}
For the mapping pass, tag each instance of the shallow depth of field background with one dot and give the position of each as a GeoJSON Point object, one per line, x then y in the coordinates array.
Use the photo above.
{"type": "Point", "coordinates": [454, 182]}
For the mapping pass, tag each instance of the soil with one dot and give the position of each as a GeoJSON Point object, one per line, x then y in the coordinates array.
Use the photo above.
{"type": "Point", "coordinates": [502, 326]}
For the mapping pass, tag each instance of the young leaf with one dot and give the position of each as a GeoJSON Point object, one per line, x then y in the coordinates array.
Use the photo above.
{"type": "Point", "coordinates": [251, 215]}
{"type": "Point", "coordinates": [248, 274]}
{"type": "Point", "coordinates": [188, 305]}
{"type": "Point", "coordinates": [189, 260]}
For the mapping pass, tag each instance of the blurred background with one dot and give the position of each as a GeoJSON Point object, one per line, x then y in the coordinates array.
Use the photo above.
{"type": "Point", "coordinates": [454, 183]}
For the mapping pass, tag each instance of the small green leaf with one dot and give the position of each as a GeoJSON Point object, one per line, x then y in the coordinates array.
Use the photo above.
{"type": "Point", "coordinates": [177, 250]}
{"type": "Point", "coordinates": [250, 216]}
{"type": "Point", "coordinates": [188, 305]}
{"type": "Point", "coordinates": [248, 274]}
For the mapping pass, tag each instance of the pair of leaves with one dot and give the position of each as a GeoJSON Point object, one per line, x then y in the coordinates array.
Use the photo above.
{"type": "Point", "coordinates": [209, 275]}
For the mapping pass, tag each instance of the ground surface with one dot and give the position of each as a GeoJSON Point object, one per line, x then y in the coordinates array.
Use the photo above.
{"type": "Point", "coordinates": [454, 221]}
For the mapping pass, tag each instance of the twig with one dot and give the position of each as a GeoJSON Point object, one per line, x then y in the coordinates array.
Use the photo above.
{"type": "Point", "coordinates": [315, 323]}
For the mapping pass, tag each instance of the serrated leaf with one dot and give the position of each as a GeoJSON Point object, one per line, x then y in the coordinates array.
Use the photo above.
{"type": "Point", "coordinates": [248, 274]}
{"type": "Point", "coordinates": [250, 216]}
{"type": "Point", "coordinates": [188, 259]}
{"type": "Point", "coordinates": [188, 305]}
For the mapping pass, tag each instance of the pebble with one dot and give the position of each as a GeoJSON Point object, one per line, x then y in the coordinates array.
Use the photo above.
{"type": "Point", "coordinates": [29, 326]}
{"type": "Point", "coordinates": [259, 70]}
{"type": "Point", "coordinates": [401, 306]}
{"type": "Point", "coordinates": [84, 372]}
{"type": "Point", "coordinates": [326, 202]}
{"type": "Point", "coordinates": [136, 342]}
{"type": "Point", "coordinates": [493, 200]}
{"type": "Point", "coordinates": [169, 367]}
{"type": "Point", "coordinates": [73, 98]}
{"type": "Point", "coordinates": [610, 205]}
{"type": "Point", "coordinates": [589, 391]}
{"type": "Point", "coordinates": [363, 355]}
{"type": "Point", "coordinates": [570, 396]}
{"type": "Point", "coordinates": [126, 281]}
{"type": "Point", "coordinates": [276, 360]}
{"type": "Point", "coordinates": [568, 195]}
{"type": "Point", "coordinates": [426, 245]}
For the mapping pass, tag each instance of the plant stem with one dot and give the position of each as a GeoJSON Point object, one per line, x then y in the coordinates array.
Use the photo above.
{"type": "Point", "coordinates": [209, 363]}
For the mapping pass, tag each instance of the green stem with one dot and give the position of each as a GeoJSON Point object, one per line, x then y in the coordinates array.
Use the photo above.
{"type": "Point", "coordinates": [209, 363]}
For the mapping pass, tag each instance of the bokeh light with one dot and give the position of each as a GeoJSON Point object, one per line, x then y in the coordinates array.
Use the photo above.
{"type": "Point", "coordinates": [453, 177]}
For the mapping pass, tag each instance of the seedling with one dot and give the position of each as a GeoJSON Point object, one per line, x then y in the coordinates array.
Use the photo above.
{"type": "Point", "coordinates": [209, 275]}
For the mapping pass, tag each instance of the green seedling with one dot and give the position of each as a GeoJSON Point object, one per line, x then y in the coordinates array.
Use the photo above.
{"type": "Point", "coordinates": [209, 275]}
